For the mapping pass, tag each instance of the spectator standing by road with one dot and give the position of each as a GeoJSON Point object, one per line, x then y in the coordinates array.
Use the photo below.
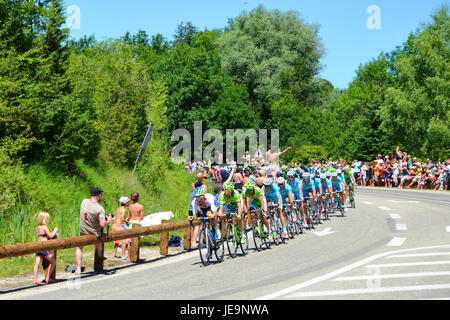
{"type": "Point", "coordinates": [136, 210]}
{"type": "Point", "coordinates": [44, 234]}
{"type": "Point", "coordinates": [119, 220]}
{"type": "Point", "coordinates": [92, 221]}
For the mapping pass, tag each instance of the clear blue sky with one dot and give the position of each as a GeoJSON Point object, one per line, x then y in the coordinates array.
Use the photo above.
{"type": "Point", "coordinates": [343, 24]}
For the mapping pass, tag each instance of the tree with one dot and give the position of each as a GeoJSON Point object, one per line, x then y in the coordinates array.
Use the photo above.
{"type": "Point", "coordinates": [417, 111]}
{"type": "Point", "coordinates": [269, 52]}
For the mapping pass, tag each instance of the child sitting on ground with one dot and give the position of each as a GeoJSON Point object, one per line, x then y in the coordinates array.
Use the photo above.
{"type": "Point", "coordinates": [44, 234]}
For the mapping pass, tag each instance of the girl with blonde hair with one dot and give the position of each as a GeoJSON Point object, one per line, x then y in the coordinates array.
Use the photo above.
{"type": "Point", "coordinates": [43, 233]}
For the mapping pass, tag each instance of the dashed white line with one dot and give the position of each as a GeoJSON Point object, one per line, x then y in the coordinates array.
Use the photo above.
{"type": "Point", "coordinates": [366, 202]}
{"type": "Point", "coordinates": [384, 208]}
{"type": "Point", "coordinates": [401, 227]}
{"type": "Point", "coordinates": [395, 216]}
{"type": "Point", "coordinates": [448, 229]}
{"type": "Point", "coordinates": [396, 242]}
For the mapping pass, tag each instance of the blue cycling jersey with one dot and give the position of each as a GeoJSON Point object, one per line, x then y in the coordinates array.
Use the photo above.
{"type": "Point", "coordinates": [318, 184]}
{"type": "Point", "coordinates": [308, 187]}
{"type": "Point", "coordinates": [295, 184]}
{"type": "Point", "coordinates": [325, 185]}
{"type": "Point", "coordinates": [273, 193]}
{"type": "Point", "coordinates": [336, 183]}
{"type": "Point", "coordinates": [285, 192]}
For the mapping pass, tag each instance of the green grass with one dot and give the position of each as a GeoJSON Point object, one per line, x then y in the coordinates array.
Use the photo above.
{"type": "Point", "coordinates": [61, 196]}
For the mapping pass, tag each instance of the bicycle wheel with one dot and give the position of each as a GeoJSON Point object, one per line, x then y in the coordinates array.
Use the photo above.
{"type": "Point", "coordinates": [219, 249]}
{"type": "Point", "coordinates": [298, 222]}
{"type": "Point", "coordinates": [326, 209]}
{"type": "Point", "coordinates": [232, 242]}
{"type": "Point", "coordinates": [290, 225]}
{"type": "Point", "coordinates": [310, 218]}
{"type": "Point", "coordinates": [273, 230]}
{"type": "Point", "coordinates": [257, 236]}
{"type": "Point", "coordinates": [352, 199]}
{"type": "Point", "coordinates": [279, 228]}
{"type": "Point", "coordinates": [204, 247]}
{"type": "Point", "coordinates": [340, 206]}
{"type": "Point", "coordinates": [318, 213]}
{"type": "Point", "coordinates": [244, 240]}
{"type": "Point", "coordinates": [265, 234]}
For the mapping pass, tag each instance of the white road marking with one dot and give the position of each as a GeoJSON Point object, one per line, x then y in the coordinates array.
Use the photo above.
{"type": "Point", "coordinates": [448, 229]}
{"type": "Point", "coordinates": [401, 227]}
{"type": "Point", "coordinates": [419, 255]}
{"type": "Point", "coordinates": [366, 202]}
{"type": "Point", "coordinates": [384, 208]}
{"type": "Point", "coordinates": [395, 275]}
{"type": "Point", "coordinates": [408, 264]}
{"type": "Point", "coordinates": [397, 201]}
{"type": "Point", "coordinates": [335, 273]}
{"type": "Point", "coordinates": [325, 232]}
{"type": "Point", "coordinates": [396, 242]}
{"type": "Point", "coordinates": [370, 290]}
{"type": "Point", "coordinates": [395, 216]}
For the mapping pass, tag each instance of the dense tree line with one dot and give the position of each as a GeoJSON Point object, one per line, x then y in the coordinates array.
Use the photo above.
{"type": "Point", "coordinates": [63, 100]}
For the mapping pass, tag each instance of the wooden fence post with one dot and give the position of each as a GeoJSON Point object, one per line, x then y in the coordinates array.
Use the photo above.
{"type": "Point", "coordinates": [135, 246]}
{"type": "Point", "coordinates": [164, 241]}
{"type": "Point", "coordinates": [187, 236]}
{"type": "Point", "coordinates": [98, 258]}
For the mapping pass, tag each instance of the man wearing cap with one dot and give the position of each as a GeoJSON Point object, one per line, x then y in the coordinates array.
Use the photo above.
{"type": "Point", "coordinates": [92, 221]}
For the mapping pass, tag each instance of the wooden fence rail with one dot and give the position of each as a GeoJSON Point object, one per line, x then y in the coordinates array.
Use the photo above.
{"type": "Point", "coordinates": [80, 241]}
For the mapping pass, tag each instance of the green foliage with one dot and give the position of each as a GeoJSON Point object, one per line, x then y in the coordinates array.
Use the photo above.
{"type": "Point", "coordinates": [13, 185]}
{"type": "Point", "coordinates": [417, 110]}
{"type": "Point", "coordinates": [305, 154]}
{"type": "Point", "coordinates": [153, 166]}
{"type": "Point", "coordinates": [271, 51]}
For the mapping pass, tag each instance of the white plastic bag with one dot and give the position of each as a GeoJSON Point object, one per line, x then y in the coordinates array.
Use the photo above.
{"type": "Point", "coordinates": [155, 219]}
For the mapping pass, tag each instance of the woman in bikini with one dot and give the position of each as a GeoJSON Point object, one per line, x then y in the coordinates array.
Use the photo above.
{"type": "Point", "coordinates": [119, 225]}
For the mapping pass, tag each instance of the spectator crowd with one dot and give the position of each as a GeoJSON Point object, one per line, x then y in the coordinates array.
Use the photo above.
{"type": "Point", "coordinates": [400, 170]}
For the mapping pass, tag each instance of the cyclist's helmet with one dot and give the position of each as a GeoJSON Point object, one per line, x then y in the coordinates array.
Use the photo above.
{"type": "Point", "coordinates": [280, 180]}
{"type": "Point", "coordinates": [290, 173]}
{"type": "Point", "coordinates": [228, 186]}
{"type": "Point", "coordinates": [346, 168]}
{"type": "Point", "coordinates": [323, 176]}
{"type": "Point", "coordinates": [268, 182]}
{"type": "Point", "coordinates": [328, 174]}
{"type": "Point", "coordinates": [339, 171]}
{"type": "Point", "coordinates": [250, 186]}
{"type": "Point", "coordinates": [199, 192]}
{"type": "Point", "coordinates": [334, 174]}
{"type": "Point", "coordinates": [306, 176]}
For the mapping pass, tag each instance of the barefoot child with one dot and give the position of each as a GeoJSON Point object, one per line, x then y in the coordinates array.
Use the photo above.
{"type": "Point", "coordinates": [44, 234]}
{"type": "Point", "coordinates": [118, 225]}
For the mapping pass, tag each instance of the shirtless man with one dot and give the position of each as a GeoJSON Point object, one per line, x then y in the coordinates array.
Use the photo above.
{"type": "Point", "coordinates": [136, 210]}
{"type": "Point", "coordinates": [237, 179]}
{"type": "Point", "coordinates": [199, 182]}
{"type": "Point", "coordinates": [272, 158]}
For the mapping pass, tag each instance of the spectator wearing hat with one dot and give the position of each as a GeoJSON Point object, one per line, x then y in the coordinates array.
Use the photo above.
{"type": "Point", "coordinates": [92, 221]}
{"type": "Point", "coordinates": [119, 225]}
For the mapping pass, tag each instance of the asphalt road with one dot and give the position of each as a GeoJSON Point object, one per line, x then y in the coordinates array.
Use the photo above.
{"type": "Point", "coordinates": [394, 245]}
